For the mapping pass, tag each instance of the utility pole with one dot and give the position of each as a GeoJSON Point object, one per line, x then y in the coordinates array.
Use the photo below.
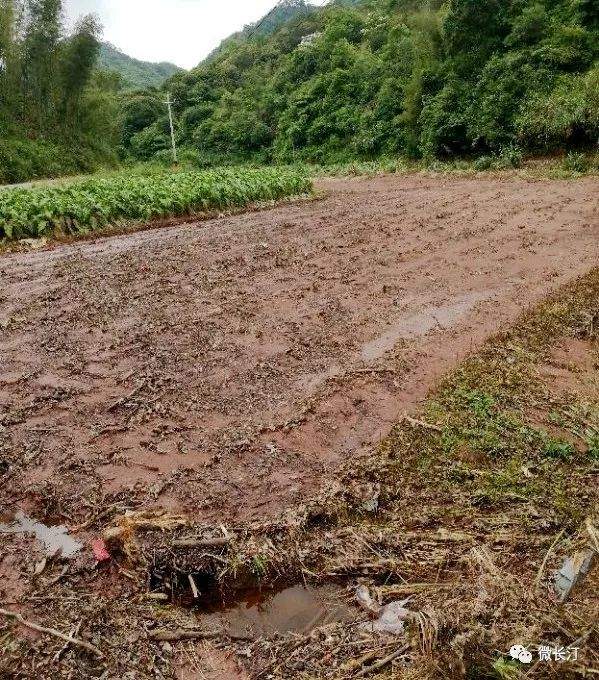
{"type": "Point", "coordinates": [169, 103]}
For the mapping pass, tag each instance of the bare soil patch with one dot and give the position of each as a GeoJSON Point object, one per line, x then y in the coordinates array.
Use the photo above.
{"type": "Point", "coordinates": [224, 369]}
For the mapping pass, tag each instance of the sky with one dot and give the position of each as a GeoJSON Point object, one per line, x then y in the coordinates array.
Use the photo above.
{"type": "Point", "coordinates": [180, 31]}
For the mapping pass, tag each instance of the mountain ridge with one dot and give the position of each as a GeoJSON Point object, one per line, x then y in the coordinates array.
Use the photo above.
{"type": "Point", "coordinates": [279, 15]}
{"type": "Point", "coordinates": [136, 73]}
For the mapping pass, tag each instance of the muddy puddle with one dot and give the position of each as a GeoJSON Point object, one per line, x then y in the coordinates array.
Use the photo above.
{"type": "Point", "coordinates": [297, 609]}
{"type": "Point", "coordinates": [417, 325]}
{"type": "Point", "coordinates": [55, 539]}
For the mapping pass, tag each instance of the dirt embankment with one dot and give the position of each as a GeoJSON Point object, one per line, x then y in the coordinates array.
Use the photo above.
{"type": "Point", "coordinates": [225, 368]}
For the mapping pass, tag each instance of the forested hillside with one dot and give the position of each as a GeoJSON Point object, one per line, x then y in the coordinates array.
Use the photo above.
{"type": "Point", "coordinates": [357, 79]}
{"type": "Point", "coordinates": [269, 24]}
{"type": "Point", "coordinates": [58, 115]}
{"type": "Point", "coordinates": [416, 77]}
{"type": "Point", "coordinates": [136, 74]}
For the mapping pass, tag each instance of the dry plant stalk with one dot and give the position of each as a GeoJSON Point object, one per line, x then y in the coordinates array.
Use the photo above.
{"type": "Point", "coordinates": [55, 633]}
{"type": "Point", "coordinates": [123, 535]}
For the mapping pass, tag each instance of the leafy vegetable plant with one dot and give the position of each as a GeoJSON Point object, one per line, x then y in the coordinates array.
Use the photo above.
{"type": "Point", "coordinates": [91, 204]}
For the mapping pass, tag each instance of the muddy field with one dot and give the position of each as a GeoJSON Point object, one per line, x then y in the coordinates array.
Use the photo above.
{"type": "Point", "coordinates": [225, 368]}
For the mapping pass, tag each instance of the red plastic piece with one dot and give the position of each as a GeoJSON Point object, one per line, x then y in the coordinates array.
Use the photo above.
{"type": "Point", "coordinates": [100, 551]}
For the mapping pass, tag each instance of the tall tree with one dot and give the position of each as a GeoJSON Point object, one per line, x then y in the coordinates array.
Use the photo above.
{"type": "Point", "coordinates": [40, 59]}
{"type": "Point", "coordinates": [77, 64]}
{"type": "Point", "coordinates": [7, 27]}
{"type": "Point", "coordinates": [8, 57]}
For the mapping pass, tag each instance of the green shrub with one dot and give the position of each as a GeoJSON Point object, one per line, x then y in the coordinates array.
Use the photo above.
{"type": "Point", "coordinates": [558, 449]}
{"type": "Point", "coordinates": [509, 157]}
{"type": "Point", "coordinates": [444, 123]}
{"type": "Point", "coordinates": [576, 162]}
{"type": "Point", "coordinates": [530, 27]}
{"type": "Point", "coordinates": [568, 113]}
{"type": "Point", "coordinates": [22, 160]}
{"type": "Point", "coordinates": [593, 446]}
{"type": "Point", "coordinates": [150, 141]}
{"type": "Point", "coordinates": [483, 163]}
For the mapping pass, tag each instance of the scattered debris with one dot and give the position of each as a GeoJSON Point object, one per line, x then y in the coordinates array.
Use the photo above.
{"type": "Point", "coordinates": [366, 600]}
{"type": "Point", "coordinates": [100, 551]}
{"type": "Point", "coordinates": [391, 619]}
{"type": "Point", "coordinates": [573, 569]}
{"type": "Point", "coordinates": [40, 566]}
{"type": "Point", "coordinates": [157, 597]}
{"type": "Point", "coordinates": [192, 634]}
{"type": "Point", "coordinates": [420, 423]}
{"type": "Point", "coordinates": [194, 588]}
{"type": "Point", "coordinates": [201, 543]}
{"type": "Point", "coordinates": [63, 649]}
{"type": "Point", "coordinates": [122, 536]}
{"type": "Point", "coordinates": [64, 571]}
{"type": "Point", "coordinates": [33, 243]}
{"type": "Point", "coordinates": [391, 616]}
{"type": "Point", "coordinates": [593, 534]}
{"type": "Point", "coordinates": [546, 558]}
{"type": "Point", "coordinates": [383, 662]}
{"type": "Point", "coordinates": [52, 631]}
{"type": "Point", "coordinates": [183, 634]}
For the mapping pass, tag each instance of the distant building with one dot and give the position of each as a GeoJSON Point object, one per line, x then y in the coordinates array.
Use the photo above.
{"type": "Point", "coordinates": [309, 39]}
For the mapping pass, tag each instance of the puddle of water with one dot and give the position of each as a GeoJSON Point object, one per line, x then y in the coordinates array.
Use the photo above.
{"type": "Point", "coordinates": [53, 538]}
{"type": "Point", "coordinates": [292, 610]}
{"type": "Point", "coordinates": [419, 324]}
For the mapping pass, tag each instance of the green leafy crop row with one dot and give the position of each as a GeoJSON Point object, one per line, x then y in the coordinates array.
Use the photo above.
{"type": "Point", "coordinates": [94, 203]}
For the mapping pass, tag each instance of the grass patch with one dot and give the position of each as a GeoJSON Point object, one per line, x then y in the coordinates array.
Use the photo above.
{"type": "Point", "coordinates": [509, 160]}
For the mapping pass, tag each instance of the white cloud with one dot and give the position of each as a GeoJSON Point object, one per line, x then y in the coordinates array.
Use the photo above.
{"type": "Point", "coordinates": [180, 31]}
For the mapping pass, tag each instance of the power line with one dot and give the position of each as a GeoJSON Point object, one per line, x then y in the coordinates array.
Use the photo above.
{"type": "Point", "coordinates": [169, 104]}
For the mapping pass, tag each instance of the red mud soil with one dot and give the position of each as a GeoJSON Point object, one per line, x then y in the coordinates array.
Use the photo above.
{"type": "Point", "coordinates": [225, 368]}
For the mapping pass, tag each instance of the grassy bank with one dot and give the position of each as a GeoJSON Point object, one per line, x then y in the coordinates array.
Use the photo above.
{"type": "Point", "coordinates": [568, 166]}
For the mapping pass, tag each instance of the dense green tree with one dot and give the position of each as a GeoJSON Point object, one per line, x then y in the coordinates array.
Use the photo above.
{"type": "Point", "coordinates": [40, 60]}
{"type": "Point", "coordinates": [139, 110]}
{"type": "Point", "coordinates": [370, 77]}
{"type": "Point", "coordinates": [474, 30]}
{"type": "Point", "coordinates": [80, 53]}
{"type": "Point", "coordinates": [56, 113]}
{"type": "Point", "coordinates": [9, 62]}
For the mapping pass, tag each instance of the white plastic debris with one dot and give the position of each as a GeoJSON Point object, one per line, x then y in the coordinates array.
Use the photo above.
{"type": "Point", "coordinates": [390, 617]}
{"type": "Point", "coordinates": [573, 569]}
{"type": "Point", "coordinates": [366, 600]}
{"type": "Point", "coordinates": [371, 502]}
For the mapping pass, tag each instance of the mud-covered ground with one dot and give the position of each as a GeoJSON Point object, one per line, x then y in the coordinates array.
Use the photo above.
{"type": "Point", "coordinates": [224, 370]}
